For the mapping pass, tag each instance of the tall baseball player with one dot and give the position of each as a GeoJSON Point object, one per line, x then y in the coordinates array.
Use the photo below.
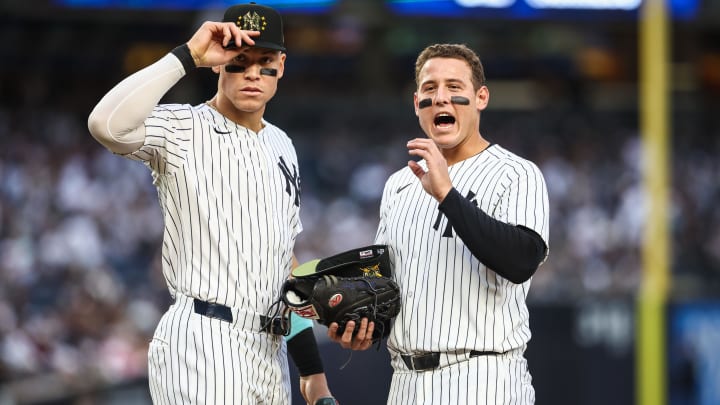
{"type": "Point", "coordinates": [466, 227]}
{"type": "Point", "coordinates": [228, 186]}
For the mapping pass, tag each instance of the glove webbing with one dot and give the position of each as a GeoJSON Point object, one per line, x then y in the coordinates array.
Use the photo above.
{"type": "Point", "coordinates": [379, 325]}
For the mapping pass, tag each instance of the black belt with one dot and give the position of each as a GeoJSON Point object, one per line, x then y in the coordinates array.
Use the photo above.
{"type": "Point", "coordinates": [431, 360]}
{"type": "Point", "coordinates": [224, 313]}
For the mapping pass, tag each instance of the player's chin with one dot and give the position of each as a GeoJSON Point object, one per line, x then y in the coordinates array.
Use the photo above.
{"type": "Point", "coordinates": [250, 105]}
{"type": "Point", "coordinates": [445, 140]}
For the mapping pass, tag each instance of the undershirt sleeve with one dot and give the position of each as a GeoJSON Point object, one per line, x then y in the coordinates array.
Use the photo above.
{"type": "Point", "coordinates": [117, 120]}
{"type": "Point", "coordinates": [513, 252]}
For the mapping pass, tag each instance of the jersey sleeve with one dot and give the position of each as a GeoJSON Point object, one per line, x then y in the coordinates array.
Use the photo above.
{"type": "Point", "coordinates": [117, 120]}
{"type": "Point", "coordinates": [525, 201]}
{"type": "Point", "coordinates": [380, 234]}
{"type": "Point", "coordinates": [168, 131]}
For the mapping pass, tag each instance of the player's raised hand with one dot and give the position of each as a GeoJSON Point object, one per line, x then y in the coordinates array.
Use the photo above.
{"type": "Point", "coordinates": [436, 181]}
{"type": "Point", "coordinates": [361, 341]}
{"type": "Point", "coordinates": [207, 45]}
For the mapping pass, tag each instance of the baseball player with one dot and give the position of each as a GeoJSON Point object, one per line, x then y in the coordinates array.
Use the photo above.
{"type": "Point", "coordinates": [228, 186]}
{"type": "Point", "coordinates": [466, 227]}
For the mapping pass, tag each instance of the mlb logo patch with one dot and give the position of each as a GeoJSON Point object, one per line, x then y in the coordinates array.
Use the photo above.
{"type": "Point", "coordinates": [366, 253]}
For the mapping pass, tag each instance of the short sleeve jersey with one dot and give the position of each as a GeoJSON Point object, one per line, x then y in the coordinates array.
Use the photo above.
{"type": "Point", "coordinates": [230, 201]}
{"type": "Point", "coordinates": [452, 301]}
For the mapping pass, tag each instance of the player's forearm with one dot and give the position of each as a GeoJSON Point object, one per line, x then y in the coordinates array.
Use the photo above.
{"type": "Point", "coordinates": [117, 120]}
{"type": "Point", "coordinates": [514, 252]}
{"type": "Point", "coordinates": [303, 347]}
{"type": "Point", "coordinates": [304, 351]}
{"type": "Point", "coordinates": [315, 390]}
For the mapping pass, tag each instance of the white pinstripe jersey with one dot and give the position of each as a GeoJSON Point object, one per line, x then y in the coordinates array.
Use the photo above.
{"type": "Point", "coordinates": [230, 201]}
{"type": "Point", "coordinates": [451, 301]}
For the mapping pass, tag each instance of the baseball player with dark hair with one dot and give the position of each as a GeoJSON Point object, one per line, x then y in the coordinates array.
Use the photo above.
{"type": "Point", "coordinates": [466, 227]}
{"type": "Point", "coordinates": [228, 186]}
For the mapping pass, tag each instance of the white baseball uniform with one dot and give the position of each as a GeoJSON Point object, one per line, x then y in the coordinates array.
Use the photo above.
{"type": "Point", "coordinates": [452, 303]}
{"type": "Point", "coordinates": [230, 202]}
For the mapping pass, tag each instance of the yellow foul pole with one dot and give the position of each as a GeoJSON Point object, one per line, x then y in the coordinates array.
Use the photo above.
{"type": "Point", "coordinates": [651, 371]}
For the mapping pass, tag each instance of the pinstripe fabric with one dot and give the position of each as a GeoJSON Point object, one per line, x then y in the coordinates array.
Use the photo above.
{"type": "Point", "coordinates": [230, 202]}
{"type": "Point", "coordinates": [194, 359]}
{"type": "Point", "coordinates": [479, 380]}
{"type": "Point", "coordinates": [451, 301]}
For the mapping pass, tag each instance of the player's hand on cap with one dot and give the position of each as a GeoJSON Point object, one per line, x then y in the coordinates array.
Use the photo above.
{"type": "Point", "coordinates": [208, 44]}
{"type": "Point", "coordinates": [362, 339]}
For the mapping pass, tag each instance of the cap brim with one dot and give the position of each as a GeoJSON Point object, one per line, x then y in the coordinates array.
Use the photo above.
{"type": "Point", "coordinates": [269, 45]}
{"type": "Point", "coordinates": [367, 261]}
{"type": "Point", "coordinates": [306, 268]}
{"type": "Point", "coordinates": [258, 44]}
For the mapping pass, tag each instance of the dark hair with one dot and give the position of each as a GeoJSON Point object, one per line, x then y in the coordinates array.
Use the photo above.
{"type": "Point", "coordinates": [456, 51]}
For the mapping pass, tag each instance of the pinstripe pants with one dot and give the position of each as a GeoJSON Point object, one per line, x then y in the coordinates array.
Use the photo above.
{"type": "Point", "coordinates": [490, 380]}
{"type": "Point", "coordinates": [194, 359]}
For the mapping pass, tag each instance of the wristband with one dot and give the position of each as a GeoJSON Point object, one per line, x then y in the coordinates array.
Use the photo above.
{"type": "Point", "coordinates": [182, 52]}
{"type": "Point", "coordinates": [304, 351]}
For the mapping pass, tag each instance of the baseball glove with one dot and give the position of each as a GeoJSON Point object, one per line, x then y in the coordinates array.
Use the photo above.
{"type": "Point", "coordinates": [347, 287]}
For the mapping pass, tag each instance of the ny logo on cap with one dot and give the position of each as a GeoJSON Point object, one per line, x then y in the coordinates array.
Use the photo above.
{"type": "Point", "coordinates": [251, 21]}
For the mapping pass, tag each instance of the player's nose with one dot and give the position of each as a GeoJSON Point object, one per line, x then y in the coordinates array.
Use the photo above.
{"type": "Point", "coordinates": [442, 97]}
{"type": "Point", "coordinates": [252, 72]}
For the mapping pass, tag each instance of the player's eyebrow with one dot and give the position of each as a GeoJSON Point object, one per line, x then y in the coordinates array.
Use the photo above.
{"type": "Point", "coordinates": [445, 82]}
{"type": "Point", "coordinates": [427, 83]}
{"type": "Point", "coordinates": [452, 81]}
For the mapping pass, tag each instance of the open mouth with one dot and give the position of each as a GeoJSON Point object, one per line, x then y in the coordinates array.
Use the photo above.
{"type": "Point", "coordinates": [444, 120]}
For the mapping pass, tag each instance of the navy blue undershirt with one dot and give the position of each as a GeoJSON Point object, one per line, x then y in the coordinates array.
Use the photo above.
{"type": "Point", "coordinates": [513, 252]}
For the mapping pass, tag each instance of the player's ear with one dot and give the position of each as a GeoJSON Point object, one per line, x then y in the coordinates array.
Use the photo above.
{"type": "Point", "coordinates": [216, 69]}
{"type": "Point", "coordinates": [415, 104]}
{"type": "Point", "coordinates": [482, 98]}
{"type": "Point", "coordinates": [281, 67]}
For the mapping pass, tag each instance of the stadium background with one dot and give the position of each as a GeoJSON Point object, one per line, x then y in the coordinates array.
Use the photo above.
{"type": "Point", "coordinates": [80, 284]}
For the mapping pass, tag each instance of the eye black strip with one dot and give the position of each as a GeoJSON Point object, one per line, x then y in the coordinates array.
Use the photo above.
{"type": "Point", "coordinates": [234, 68]}
{"type": "Point", "coordinates": [460, 100]}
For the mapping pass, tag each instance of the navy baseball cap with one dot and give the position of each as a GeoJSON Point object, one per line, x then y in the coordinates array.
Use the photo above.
{"type": "Point", "coordinates": [367, 261]}
{"type": "Point", "coordinates": [255, 17]}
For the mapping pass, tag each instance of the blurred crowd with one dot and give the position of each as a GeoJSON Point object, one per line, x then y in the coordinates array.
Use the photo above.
{"type": "Point", "coordinates": [81, 288]}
